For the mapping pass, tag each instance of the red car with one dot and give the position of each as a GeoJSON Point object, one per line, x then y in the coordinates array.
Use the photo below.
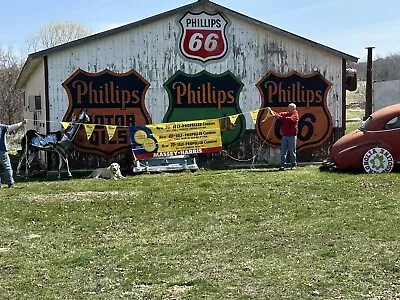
{"type": "Point", "coordinates": [374, 146]}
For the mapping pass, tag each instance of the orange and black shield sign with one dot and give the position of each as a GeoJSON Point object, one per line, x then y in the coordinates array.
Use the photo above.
{"type": "Point", "coordinates": [109, 98]}
{"type": "Point", "coordinates": [309, 93]}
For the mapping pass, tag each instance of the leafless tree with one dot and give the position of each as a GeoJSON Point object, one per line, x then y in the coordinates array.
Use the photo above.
{"type": "Point", "coordinates": [387, 68]}
{"type": "Point", "coordinates": [11, 99]}
{"type": "Point", "coordinates": [54, 34]}
{"type": "Point", "coordinates": [383, 68]}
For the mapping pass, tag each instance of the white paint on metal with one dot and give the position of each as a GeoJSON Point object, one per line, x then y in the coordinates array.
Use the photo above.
{"type": "Point", "coordinates": [152, 50]}
{"type": "Point", "coordinates": [36, 87]}
{"type": "Point", "coordinates": [385, 93]}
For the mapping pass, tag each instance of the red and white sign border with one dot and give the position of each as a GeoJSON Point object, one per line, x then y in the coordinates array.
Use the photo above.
{"type": "Point", "coordinates": [182, 37]}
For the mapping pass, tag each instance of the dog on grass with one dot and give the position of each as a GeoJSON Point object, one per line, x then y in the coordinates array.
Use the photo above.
{"type": "Point", "coordinates": [111, 172]}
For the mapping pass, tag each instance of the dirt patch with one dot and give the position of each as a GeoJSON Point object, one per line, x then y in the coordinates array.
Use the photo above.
{"type": "Point", "coordinates": [7, 270]}
{"type": "Point", "coordinates": [355, 105]}
{"type": "Point", "coordinates": [83, 196]}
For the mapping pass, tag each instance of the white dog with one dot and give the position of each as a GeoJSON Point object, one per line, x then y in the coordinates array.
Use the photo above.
{"type": "Point", "coordinates": [112, 172]}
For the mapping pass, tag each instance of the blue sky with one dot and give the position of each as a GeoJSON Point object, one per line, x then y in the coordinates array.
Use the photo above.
{"type": "Point", "coordinates": [345, 25]}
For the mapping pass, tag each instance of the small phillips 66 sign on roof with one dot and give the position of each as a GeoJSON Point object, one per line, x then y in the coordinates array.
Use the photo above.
{"type": "Point", "coordinates": [203, 36]}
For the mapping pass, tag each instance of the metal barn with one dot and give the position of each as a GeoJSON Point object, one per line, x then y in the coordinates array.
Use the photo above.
{"type": "Point", "coordinates": [197, 61]}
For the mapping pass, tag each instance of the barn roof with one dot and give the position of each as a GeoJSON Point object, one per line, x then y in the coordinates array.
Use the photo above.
{"type": "Point", "coordinates": [34, 59]}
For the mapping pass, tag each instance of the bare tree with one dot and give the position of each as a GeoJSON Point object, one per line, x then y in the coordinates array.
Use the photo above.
{"type": "Point", "coordinates": [383, 68]}
{"type": "Point", "coordinates": [11, 99]}
{"type": "Point", "coordinates": [54, 34]}
{"type": "Point", "coordinates": [387, 68]}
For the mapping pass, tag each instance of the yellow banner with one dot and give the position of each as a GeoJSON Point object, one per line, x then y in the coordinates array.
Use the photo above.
{"type": "Point", "coordinates": [233, 118]}
{"type": "Point", "coordinates": [89, 129]}
{"type": "Point", "coordinates": [176, 138]}
{"type": "Point", "coordinates": [111, 131]}
{"type": "Point", "coordinates": [270, 113]}
{"type": "Point", "coordinates": [254, 114]}
{"type": "Point", "coordinates": [65, 124]}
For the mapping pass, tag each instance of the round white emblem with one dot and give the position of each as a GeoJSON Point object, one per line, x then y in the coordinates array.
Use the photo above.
{"type": "Point", "coordinates": [377, 160]}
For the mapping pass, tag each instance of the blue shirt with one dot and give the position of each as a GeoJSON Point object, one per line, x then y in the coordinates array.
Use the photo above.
{"type": "Point", "coordinates": [3, 142]}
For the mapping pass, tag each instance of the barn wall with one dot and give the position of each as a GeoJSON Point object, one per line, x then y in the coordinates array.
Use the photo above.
{"type": "Point", "coordinates": [152, 51]}
{"type": "Point", "coordinates": [36, 87]}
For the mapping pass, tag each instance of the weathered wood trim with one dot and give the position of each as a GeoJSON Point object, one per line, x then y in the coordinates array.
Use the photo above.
{"type": "Point", "coordinates": [47, 107]}
{"type": "Point", "coordinates": [46, 93]}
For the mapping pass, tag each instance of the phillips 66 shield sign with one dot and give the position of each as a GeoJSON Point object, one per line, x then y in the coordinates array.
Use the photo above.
{"type": "Point", "coordinates": [204, 96]}
{"type": "Point", "coordinates": [309, 92]}
{"type": "Point", "coordinates": [109, 98]}
{"type": "Point", "coordinates": [203, 36]}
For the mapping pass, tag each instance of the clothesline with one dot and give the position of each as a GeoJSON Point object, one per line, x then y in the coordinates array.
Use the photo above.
{"type": "Point", "coordinates": [253, 114]}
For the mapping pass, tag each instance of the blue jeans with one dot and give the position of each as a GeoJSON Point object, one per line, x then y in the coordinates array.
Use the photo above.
{"type": "Point", "coordinates": [6, 164]}
{"type": "Point", "coordinates": [288, 144]}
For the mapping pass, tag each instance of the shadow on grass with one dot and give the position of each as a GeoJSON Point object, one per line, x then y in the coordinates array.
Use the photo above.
{"type": "Point", "coordinates": [241, 167]}
{"type": "Point", "coordinates": [268, 170]}
{"type": "Point", "coordinates": [39, 176]}
{"type": "Point", "coordinates": [44, 177]}
{"type": "Point", "coordinates": [327, 169]}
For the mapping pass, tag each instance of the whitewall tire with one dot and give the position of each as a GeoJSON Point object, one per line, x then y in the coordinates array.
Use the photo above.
{"type": "Point", "coordinates": [377, 160]}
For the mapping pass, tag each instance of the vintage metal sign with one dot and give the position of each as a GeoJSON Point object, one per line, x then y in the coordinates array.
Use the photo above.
{"type": "Point", "coordinates": [378, 160]}
{"type": "Point", "coordinates": [309, 93]}
{"type": "Point", "coordinates": [178, 138]}
{"type": "Point", "coordinates": [206, 96]}
{"type": "Point", "coordinates": [203, 36]}
{"type": "Point", "coordinates": [109, 98]}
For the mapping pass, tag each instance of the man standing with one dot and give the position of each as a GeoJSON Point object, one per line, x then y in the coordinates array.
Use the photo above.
{"type": "Point", "coordinates": [289, 129]}
{"type": "Point", "coordinates": [4, 158]}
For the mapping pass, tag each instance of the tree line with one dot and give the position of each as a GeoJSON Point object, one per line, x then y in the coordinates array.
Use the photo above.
{"type": "Point", "coordinates": [47, 36]}
{"type": "Point", "coordinates": [11, 99]}
{"type": "Point", "coordinates": [386, 68]}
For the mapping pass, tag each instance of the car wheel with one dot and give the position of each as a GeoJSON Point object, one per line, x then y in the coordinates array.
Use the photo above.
{"type": "Point", "coordinates": [377, 160]}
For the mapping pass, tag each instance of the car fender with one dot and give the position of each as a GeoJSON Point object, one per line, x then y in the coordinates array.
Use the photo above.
{"type": "Point", "coordinates": [351, 157]}
{"type": "Point", "coordinates": [365, 147]}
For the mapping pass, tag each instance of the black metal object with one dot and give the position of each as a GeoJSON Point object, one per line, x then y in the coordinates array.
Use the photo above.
{"type": "Point", "coordinates": [368, 89]}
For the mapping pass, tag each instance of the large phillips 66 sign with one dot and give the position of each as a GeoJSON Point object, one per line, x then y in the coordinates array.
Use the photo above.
{"type": "Point", "coordinates": [309, 92]}
{"type": "Point", "coordinates": [203, 36]}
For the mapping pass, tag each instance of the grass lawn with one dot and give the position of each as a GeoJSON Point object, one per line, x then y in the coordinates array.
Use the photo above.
{"type": "Point", "coordinates": [228, 234]}
{"type": "Point", "coordinates": [353, 113]}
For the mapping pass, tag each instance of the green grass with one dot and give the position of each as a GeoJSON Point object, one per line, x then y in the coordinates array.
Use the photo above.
{"type": "Point", "coordinates": [227, 234]}
{"type": "Point", "coordinates": [353, 113]}
{"type": "Point", "coordinates": [355, 101]}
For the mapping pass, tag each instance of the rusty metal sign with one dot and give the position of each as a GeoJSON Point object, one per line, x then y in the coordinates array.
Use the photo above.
{"type": "Point", "coordinates": [109, 98]}
{"type": "Point", "coordinates": [309, 93]}
{"type": "Point", "coordinates": [204, 96]}
{"type": "Point", "coordinates": [203, 36]}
